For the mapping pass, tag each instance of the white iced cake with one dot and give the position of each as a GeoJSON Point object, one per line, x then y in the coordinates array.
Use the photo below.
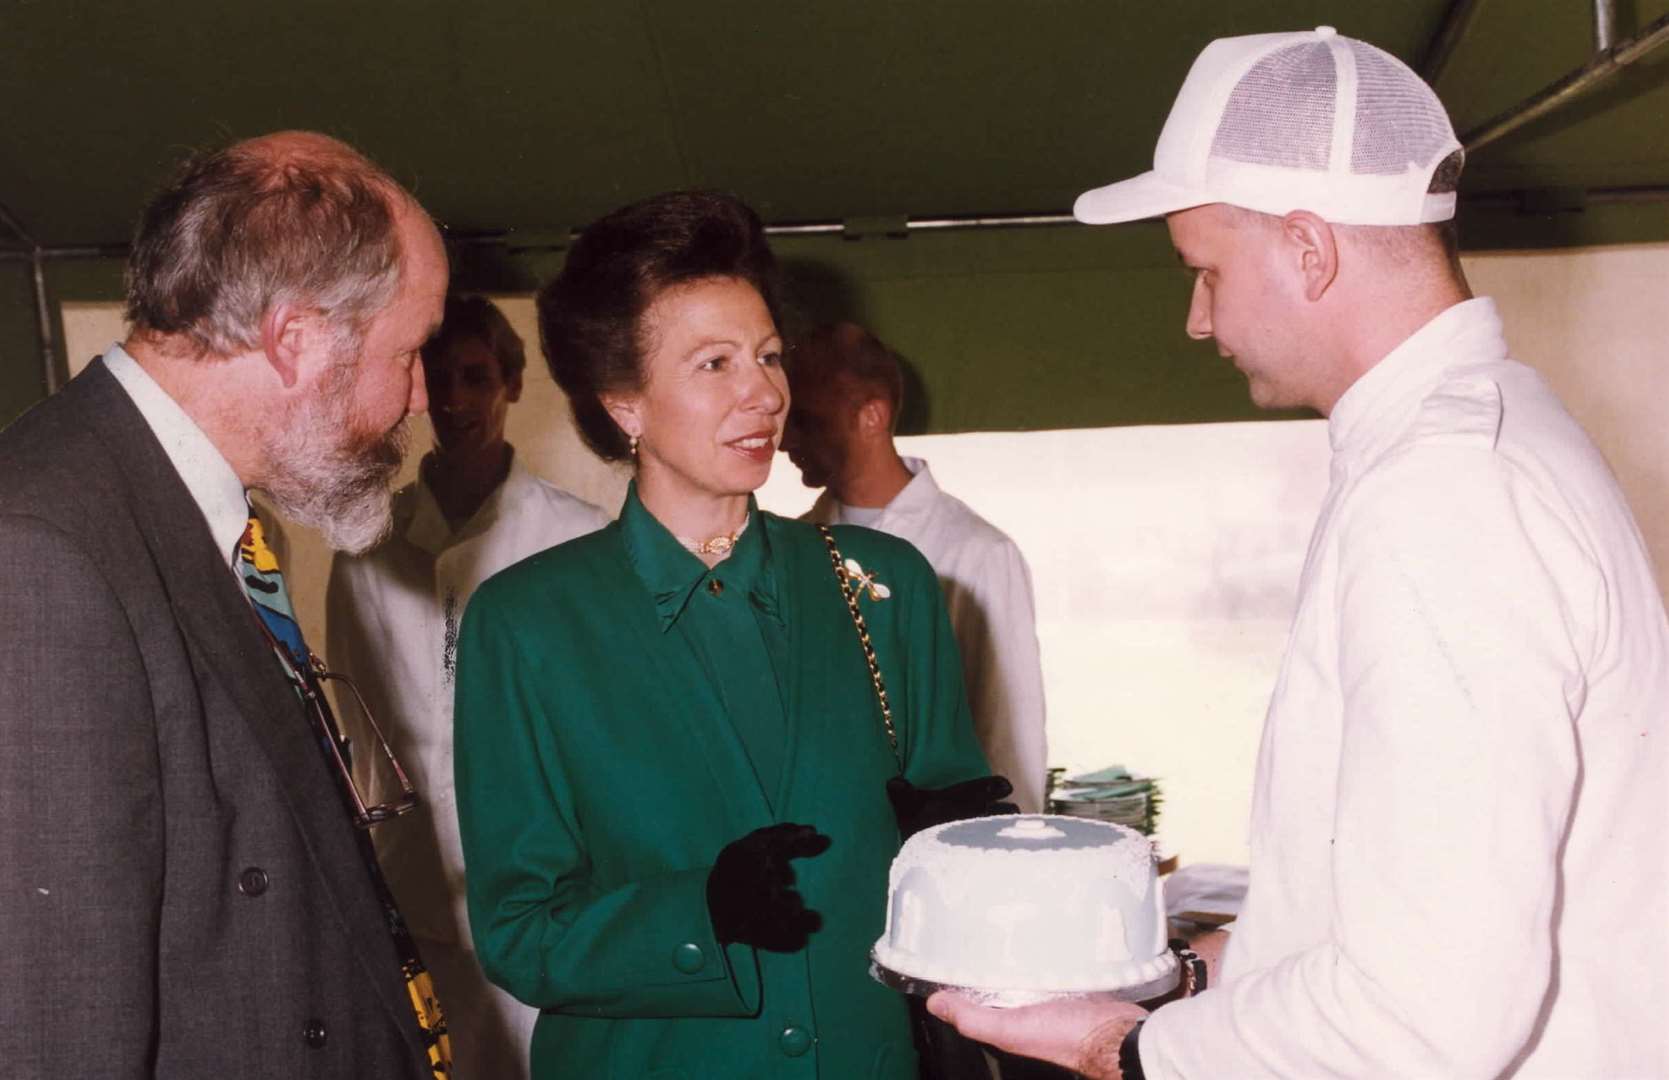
{"type": "Point", "coordinates": [1030, 906]}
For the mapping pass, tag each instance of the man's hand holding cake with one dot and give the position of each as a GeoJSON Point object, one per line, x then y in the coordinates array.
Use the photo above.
{"type": "Point", "coordinates": [1086, 1036]}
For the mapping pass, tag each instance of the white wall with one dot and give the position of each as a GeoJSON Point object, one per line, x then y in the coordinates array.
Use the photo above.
{"type": "Point", "coordinates": [1165, 558]}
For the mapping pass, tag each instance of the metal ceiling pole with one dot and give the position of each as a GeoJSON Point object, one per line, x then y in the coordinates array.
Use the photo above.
{"type": "Point", "coordinates": [43, 326]}
{"type": "Point", "coordinates": [85, 251]}
{"type": "Point", "coordinates": [1456, 23]}
{"type": "Point", "coordinates": [813, 228]}
{"type": "Point", "coordinates": [929, 224]}
{"type": "Point", "coordinates": [1597, 70]}
{"type": "Point", "coordinates": [793, 228]}
{"type": "Point", "coordinates": [1605, 24]}
{"type": "Point", "coordinates": [985, 221]}
{"type": "Point", "coordinates": [1641, 194]}
{"type": "Point", "coordinates": [1008, 222]}
{"type": "Point", "coordinates": [1647, 193]}
{"type": "Point", "coordinates": [43, 314]}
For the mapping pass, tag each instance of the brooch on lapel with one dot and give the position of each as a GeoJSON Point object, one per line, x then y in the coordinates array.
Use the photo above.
{"type": "Point", "coordinates": [862, 579]}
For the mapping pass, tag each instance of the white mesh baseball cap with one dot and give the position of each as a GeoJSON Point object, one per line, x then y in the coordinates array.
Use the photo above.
{"type": "Point", "coordinates": [1281, 122]}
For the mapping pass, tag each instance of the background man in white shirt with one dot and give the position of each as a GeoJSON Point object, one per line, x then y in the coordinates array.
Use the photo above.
{"type": "Point", "coordinates": [847, 390]}
{"type": "Point", "coordinates": [1458, 857]}
{"type": "Point", "coordinates": [393, 627]}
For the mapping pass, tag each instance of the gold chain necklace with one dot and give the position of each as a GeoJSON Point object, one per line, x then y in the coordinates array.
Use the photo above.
{"type": "Point", "coordinates": [716, 545]}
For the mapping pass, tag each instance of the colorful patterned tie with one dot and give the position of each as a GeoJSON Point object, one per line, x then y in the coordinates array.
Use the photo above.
{"type": "Point", "coordinates": [263, 583]}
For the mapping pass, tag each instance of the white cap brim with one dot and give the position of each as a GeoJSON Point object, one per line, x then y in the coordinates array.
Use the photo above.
{"type": "Point", "coordinates": [1144, 196]}
{"type": "Point", "coordinates": [1360, 199]}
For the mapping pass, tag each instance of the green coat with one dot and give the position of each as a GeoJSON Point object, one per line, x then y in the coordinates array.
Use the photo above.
{"type": "Point", "coordinates": [599, 774]}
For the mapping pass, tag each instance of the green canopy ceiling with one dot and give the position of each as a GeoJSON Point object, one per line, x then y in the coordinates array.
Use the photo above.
{"type": "Point", "coordinates": [510, 113]}
{"type": "Point", "coordinates": [534, 117]}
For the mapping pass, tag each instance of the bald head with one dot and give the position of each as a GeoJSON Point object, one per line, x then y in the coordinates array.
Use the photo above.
{"type": "Point", "coordinates": [308, 148]}
{"type": "Point", "coordinates": [294, 218]}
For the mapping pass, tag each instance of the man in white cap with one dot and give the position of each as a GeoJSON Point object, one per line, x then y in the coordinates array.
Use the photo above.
{"type": "Point", "coordinates": [1458, 856]}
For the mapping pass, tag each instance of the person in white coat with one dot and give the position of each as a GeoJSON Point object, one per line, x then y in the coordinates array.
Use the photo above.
{"type": "Point", "coordinates": [1458, 863]}
{"type": "Point", "coordinates": [847, 390]}
{"type": "Point", "coordinates": [392, 626]}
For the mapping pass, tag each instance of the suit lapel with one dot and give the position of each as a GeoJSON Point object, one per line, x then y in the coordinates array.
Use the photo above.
{"type": "Point", "coordinates": [229, 648]}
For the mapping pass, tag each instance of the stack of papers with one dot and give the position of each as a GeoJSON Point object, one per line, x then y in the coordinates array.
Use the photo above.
{"type": "Point", "coordinates": [1112, 794]}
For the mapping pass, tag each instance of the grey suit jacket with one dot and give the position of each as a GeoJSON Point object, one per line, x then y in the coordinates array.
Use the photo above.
{"type": "Point", "coordinates": [180, 890]}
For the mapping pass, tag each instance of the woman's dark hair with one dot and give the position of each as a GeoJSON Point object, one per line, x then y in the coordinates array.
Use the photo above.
{"type": "Point", "coordinates": [591, 314]}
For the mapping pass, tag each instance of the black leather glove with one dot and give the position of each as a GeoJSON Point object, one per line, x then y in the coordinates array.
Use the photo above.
{"type": "Point", "coordinates": [750, 891]}
{"type": "Point", "coordinates": [920, 808]}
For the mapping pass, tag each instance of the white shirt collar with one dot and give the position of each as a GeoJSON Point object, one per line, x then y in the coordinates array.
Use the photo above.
{"type": "Point", "coordinates": [917, 495]}
{"type": "Point", "coordinates": [428, 528]}
{"type": "Point", "coordinates": [213, 485]}
{"type": "Point", "coordinates": [1462, 333]}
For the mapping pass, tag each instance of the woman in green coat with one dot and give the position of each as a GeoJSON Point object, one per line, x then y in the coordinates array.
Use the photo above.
{"type": "Point", "coordinates": [673, 771]}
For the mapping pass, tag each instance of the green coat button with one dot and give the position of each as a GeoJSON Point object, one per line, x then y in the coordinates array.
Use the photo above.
{"type": "Point", "coordinates": [794, 1040]}
{"type": "Point", "coordinates": [688, 958]}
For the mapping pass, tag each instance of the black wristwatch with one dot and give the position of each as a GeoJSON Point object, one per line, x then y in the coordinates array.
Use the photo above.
{"type": "Point", "coordinates": [1130, 1058]}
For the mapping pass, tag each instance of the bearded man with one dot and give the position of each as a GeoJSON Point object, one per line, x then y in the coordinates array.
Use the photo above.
{"type": "Point", "coordinates": [185, 891]}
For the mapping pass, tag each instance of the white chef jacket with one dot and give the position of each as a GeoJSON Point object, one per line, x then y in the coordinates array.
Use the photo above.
{"type": "Point", "coordinates": [392, 625]}
{"type": "Point", "coordinates": [988, 590]}
{"type": "Point", "coordinates": [1458, 854]}
{"type": "Point", "coordinates": [393, 618]}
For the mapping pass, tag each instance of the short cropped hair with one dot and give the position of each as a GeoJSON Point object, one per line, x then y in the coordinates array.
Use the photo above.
{"type": "Point", "coordinates": [239, 230]}
{"type": "Point", "coordinates": [1412, 245]}
{"type": "Point", "coordinates": [850, 353]}
{"type": "Point", "coordinates": [475, 318]}
{"type": "Point", "coordinates": [591, 315]}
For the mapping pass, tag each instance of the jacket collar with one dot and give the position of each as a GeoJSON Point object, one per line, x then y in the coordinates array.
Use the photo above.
{"type": "Point", "coordinates": [916, 498]}
{"type": "Point", "coordinates": [672, 574]}
{"type": "Point", "coordinates": [207, 476]}
{"type": "Point", "coordinates": [1466, 332]}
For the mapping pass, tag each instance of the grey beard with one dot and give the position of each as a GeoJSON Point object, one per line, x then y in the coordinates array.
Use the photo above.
{"type": "Point", "coordinates": [318, 478]}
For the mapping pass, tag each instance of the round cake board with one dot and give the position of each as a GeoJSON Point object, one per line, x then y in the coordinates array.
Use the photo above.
{"type": "Point", "coordinates": [1009, 999]}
